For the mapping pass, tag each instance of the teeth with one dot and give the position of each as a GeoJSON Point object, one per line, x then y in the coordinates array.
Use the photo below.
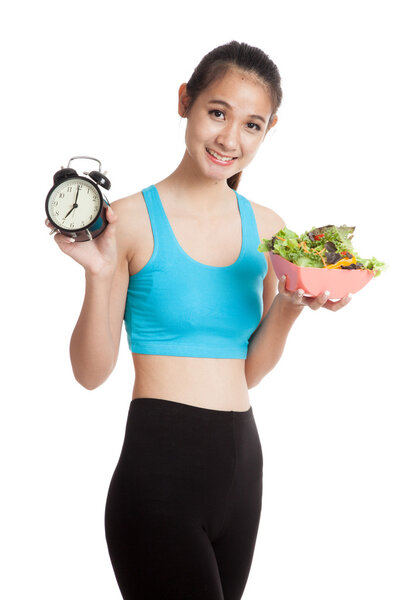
{"type": "Point", "coordinates": [218, 156]}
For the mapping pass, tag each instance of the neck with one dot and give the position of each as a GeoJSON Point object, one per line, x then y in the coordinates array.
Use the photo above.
{"type": "Point", "coordinates": [201, 195]}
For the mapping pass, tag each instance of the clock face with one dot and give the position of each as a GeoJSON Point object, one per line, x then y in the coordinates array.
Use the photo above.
{"type": "Point", "coordinates": [74, 203]}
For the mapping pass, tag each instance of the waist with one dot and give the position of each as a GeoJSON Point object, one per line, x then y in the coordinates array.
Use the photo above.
{"type": "Point", "coordinates": [218, 384]}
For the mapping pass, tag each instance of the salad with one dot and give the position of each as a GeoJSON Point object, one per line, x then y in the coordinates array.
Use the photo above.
{"type": "Point", "coordinates": [328, 247]}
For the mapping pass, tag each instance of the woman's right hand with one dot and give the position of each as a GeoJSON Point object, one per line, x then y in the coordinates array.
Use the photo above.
{"type": "Point", "coordinates": [97, 256]}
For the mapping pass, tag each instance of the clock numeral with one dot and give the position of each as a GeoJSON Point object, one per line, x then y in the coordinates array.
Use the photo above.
{"type": "Point", "coordinates": [61, 195]}
{"type": "Point", "coordinates": [82, 222]}
{"type": "Point", "coordinates": [54, 203]}
{"type": "Point", "coordinates": [69, 188]}
{"type": "Point", "coordinates": [91, 217]}
{"type": "Point", "coordinates": [71, 224]}
{"type": "Point", "coordinates": [57, 212]}
{"type": "Point", "coordinates": [79, 186]}
{"type": "Point", "coordinates": [87, 190]}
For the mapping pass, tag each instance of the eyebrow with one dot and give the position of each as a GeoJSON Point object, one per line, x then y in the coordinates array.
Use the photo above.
{"type": "Point", "coordinates": [229, 106]}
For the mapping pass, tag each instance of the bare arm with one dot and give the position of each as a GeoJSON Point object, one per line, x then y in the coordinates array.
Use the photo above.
{"type": "Point", "coordinates": [281, 310]}
{"type": "Point", "coordinates": [95, 339]}
{"type": "Point", "coordinates": [268, 341]}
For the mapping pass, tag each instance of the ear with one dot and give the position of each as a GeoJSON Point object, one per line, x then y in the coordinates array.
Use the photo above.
{"type": "Point", "coordinates": [272, 124]}
{"type": "Point", "coordinates": [183, 100]}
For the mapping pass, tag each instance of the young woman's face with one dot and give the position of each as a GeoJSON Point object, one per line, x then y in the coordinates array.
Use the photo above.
{"type": "Point", "coordinates": [233, 131]}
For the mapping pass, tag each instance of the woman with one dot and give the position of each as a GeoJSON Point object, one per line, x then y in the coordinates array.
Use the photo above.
{"type": "Point", "coordinates": [179, 262]}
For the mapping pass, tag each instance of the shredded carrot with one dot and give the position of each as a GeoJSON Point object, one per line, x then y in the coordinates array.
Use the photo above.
{"type": "Point", "coordinates": [320, 254]}
{"type": "Point", "coordinates": [305, 247]}
{"type": "Point", "coordinates": [280, 238]}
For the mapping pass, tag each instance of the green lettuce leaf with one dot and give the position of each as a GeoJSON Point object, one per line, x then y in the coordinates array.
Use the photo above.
{"type": "Point", "coordinates": [334, 243]}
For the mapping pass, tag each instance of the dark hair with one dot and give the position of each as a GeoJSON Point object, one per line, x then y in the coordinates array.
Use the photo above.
{"type": "Point", "coordinates": [238, 55]}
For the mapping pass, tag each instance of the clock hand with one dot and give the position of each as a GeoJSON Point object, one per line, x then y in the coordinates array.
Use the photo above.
{"type": "Point", "coordinates": [69, 212]}
{"type": "Point", "coordinates": [76, 197]}
{"type": "Point", "coordinates": [75, 205]}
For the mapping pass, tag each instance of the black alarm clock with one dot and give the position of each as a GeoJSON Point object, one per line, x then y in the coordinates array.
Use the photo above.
{"type": "Point", "coordinates": [75, 205]}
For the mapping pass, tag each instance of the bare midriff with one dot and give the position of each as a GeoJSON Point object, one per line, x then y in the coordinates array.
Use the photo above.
{"type": "Point", "coordinates": [216, 383]}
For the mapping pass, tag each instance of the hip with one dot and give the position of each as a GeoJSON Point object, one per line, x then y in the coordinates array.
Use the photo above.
{"type": "Point", "coordinates": [198, 464]}
{"type": "Point", "coordinates": [162, 434]}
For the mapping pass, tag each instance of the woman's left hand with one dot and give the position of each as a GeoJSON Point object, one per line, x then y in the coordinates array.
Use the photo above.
{"type": "Point", "coordinates": [298, 299]}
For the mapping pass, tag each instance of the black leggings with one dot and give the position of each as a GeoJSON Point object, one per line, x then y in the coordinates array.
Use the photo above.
{"type": "Point", "coordinates": [184, 502]}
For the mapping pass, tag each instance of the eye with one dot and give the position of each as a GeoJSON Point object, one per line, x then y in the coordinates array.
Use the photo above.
{"type": "Point", "coordinates": [216, 110]}
{"type": "Point", "coordinates": [257, 126]}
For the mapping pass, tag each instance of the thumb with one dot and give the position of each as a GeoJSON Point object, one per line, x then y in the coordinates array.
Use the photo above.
{"type": "Point", "coordinates": [111, 215]}
{"type": "Point", "coordinates": [282, 284]}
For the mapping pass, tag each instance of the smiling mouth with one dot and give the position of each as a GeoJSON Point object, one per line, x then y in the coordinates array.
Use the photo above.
{"type": "Point", "coordinates": [220, 156]}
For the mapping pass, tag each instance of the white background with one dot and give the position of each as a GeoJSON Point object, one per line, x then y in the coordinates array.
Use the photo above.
{"type": "Point", "coordinates": [102, 79]}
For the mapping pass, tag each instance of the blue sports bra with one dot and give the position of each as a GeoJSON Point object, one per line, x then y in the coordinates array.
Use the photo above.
{"type": "Point", "coordinates": [177, 306]}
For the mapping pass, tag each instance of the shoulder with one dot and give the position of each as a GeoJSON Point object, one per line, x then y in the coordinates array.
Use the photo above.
{"type": "Point", "coordinates": [128, 204]}
{"type": "Point", "coordinates": [268, 221]}
{"type": "Point", "coordinates": [131, 212]}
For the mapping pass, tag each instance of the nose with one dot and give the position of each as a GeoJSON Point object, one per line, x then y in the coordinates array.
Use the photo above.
{"type": "Point", "coordinates": [227, 139]}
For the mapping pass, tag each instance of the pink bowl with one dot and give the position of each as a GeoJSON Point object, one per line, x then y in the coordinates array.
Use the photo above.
{"type": "Point", "coordinates": [315, 281]}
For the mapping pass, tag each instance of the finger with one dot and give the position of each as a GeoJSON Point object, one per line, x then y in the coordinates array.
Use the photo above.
{"type": "Point", "coordinates": [318, 301]}
{"type": "Point", "coordinates": [334, 306]}
{"type": "Point", "coordinates": [282, 284]}
{"type": "Point", "coordinates": [60, 238]}
{"type": "Point", "coordinates": [111, 215]}
{"type": "Point", "coordinates": [110, 232]}
{"type": "Point", "coordinates": [298, 296]}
